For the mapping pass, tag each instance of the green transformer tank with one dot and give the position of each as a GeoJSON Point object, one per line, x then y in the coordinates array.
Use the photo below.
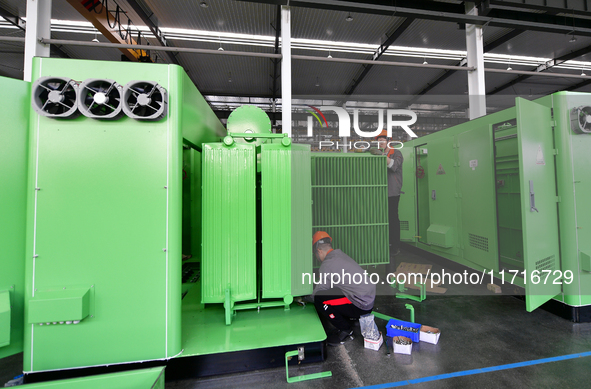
{"type": "Point", "coordinates": [506, 194]}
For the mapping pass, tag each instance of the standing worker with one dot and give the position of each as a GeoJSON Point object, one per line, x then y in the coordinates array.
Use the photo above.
{"type": "Point", "coordinates": [394, 161]}
{"type": "Point", "coordinates": [344, 291]}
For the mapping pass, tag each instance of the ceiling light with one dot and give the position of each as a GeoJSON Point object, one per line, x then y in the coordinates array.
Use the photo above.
{"type": "Point", "coordinates": [220, 48]}
{"type": "Point", "coordinates": [229, 76]}
{"type": "Point", "coordinates": [583, 73]}
{"type": "Point", "coordinates": [329, 56]}
{"type": "Point", "coordinates": [349, 18]}
{"type": "Point", "coordinates": [425, 61]}
{"type": "Point", "coordinates": [395, 85]}
{"type": "Point", "coordinates": [203, 4]}
{"type": "Point", "coordinates": [95, 40]}
{"type": "Point", "coordinates": [572, 39]}
{"type": "Point", "coordinates": [317, 82]}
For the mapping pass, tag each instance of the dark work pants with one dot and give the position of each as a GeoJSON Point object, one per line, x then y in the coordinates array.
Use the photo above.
{"type": "Point", "coordinates": [394, 223]}
{"type": "Point", "coordinates": [337, 315]}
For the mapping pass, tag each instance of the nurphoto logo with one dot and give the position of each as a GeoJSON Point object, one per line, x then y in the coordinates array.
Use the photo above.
{"type": "Point", "coordinates": [345, 125]}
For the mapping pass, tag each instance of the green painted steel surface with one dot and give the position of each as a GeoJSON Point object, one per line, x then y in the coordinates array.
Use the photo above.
{"type": "Point", "coordinates": [407, 206]}
{"type": "Point", "coordinates": [301, 218]}
{"type": "Point", "coordinates": [442, 231]}
{"type": "Point", "coordinates": [107, 216]}
{"type": "Point", "coordinates": [249, 119]}
{"type": "Point", "coordinates": [350, 202]}
{"type": "Point", "coordinates": [538, 199]}
{"type": "Point", "coordinates": [276, 220]}
{"type": "Point", "coordinates": [5, 317]}
{"type": "Point", "coordinates": [573, 164]}
{"type": "Point", "coordinates": [59, 306]}
{"type": "Point", "coordinates": [204, 332]}
{"type": "Point", "coordinates": [286, 211]}
{"type": "Point", "coordinates": [152, 378]}
{"type": "Point", "coordinates": [229, 220]}
{"type": "Point", "coordinates": [476, 196]}
{"type": "Point", "coordinates": [13, 170]}
{"type": "Point", "coordinates": [199, 124]}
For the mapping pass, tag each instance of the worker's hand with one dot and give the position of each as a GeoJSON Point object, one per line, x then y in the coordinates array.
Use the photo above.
{"type": "Point", "coordinates": [375, 151]}
{"type": "Point", "coordinates": [388, 160]}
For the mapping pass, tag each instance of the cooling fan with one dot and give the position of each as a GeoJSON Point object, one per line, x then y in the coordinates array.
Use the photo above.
{"type": "Point", "coordinates": [144, 100]}
{"type": "Point", "coordinates": [580, 120]}
{"type": "Point", "coordinates": [55, 97]}
{"type": "Point", "coordinates": [100, 98]}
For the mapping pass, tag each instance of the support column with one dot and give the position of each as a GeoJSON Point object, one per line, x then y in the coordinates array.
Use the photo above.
{"type": "Point", "coordinates": [475, 56]}
{"type": "Point", "coordinates": [286, 70]}
{"type": "Point", "coordinates": [38, 26]}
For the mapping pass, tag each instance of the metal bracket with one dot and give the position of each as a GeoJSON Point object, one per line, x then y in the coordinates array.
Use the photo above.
{"type": "Point", "coordinates": [288, 356]}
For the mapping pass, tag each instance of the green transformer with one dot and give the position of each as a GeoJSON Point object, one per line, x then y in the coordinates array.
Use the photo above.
{"type": "Point", "coordinates": [123, 172]}
{"type": "Point", "coordinates": [506, 193]}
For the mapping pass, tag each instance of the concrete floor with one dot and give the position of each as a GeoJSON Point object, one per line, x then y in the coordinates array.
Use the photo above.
{"type": "Point", "coordinates": [478, 330]}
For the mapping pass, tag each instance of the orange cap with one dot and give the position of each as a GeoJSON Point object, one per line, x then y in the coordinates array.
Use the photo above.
{"type": "Point", "coordinates": [383, 134]}
{"type": "Point", "coordinates": [319, 235]}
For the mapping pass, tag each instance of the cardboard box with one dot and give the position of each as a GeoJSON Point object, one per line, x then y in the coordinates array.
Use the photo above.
{"type": "Point", "coordinates": [400, 348]}
{"type": "Point", "coordinates": [427, 337]}
{"type": "Point", "coordinates": [373, 344]}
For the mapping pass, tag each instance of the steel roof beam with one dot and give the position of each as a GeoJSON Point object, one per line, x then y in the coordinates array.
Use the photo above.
{"type": "Point", "coordinates": [492, 45]}
{"type": "Point", "coordinates": [452, 13]}
{"type": "Point", "coordinates": [378, 53]}
{"type": "Point", "coordinates": [13, 19]}
{"type": "Point", "coordinates": [141, 11]}
{"type": "Point", "coordinates": [541, 68]}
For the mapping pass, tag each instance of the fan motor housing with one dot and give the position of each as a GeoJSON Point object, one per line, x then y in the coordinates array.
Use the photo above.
{"type": "Point", "coordinates": [580, 120]}
{"type": "Point", "coordinates": [100, 98]}
{"type": "Point", "coordinates": [145, 100]}
{"type": "Point", "coordinates": [55, 97]}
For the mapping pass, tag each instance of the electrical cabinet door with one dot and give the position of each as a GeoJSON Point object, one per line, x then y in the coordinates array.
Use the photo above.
{"type": "Point", "coordinates": [407, 208]}
{"type": "Point", "coordinates": [538, 203]}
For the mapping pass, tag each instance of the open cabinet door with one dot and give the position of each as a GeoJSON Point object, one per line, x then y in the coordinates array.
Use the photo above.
{"type": "Point", "coordinates": [538, 202]}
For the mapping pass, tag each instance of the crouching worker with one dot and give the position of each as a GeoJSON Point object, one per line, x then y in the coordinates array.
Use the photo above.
{"type": "Point", "coordinates": [344, 291]}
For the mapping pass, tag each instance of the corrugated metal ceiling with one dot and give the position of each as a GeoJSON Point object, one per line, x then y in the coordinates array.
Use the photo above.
{"type": "Point", "coordinates": [253, 76]}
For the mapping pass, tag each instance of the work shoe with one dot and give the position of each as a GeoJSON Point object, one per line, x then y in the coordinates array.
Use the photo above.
{"type": "Point", "coordinates": [339, 337]}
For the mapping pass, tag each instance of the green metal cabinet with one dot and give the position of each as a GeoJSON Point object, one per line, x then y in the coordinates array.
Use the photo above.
{"type": "Point", "coordinates": [103, 248]}
{"type": "Point", "coordinates": [510, 187]}
{"type": "Point", "coordinates": [13, 168]}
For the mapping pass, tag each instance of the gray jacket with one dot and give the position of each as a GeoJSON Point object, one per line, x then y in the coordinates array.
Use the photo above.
{"type": "Point", "coordinates": [361, 294]}
{"type": "Point", "coordinates": [395, 174]}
